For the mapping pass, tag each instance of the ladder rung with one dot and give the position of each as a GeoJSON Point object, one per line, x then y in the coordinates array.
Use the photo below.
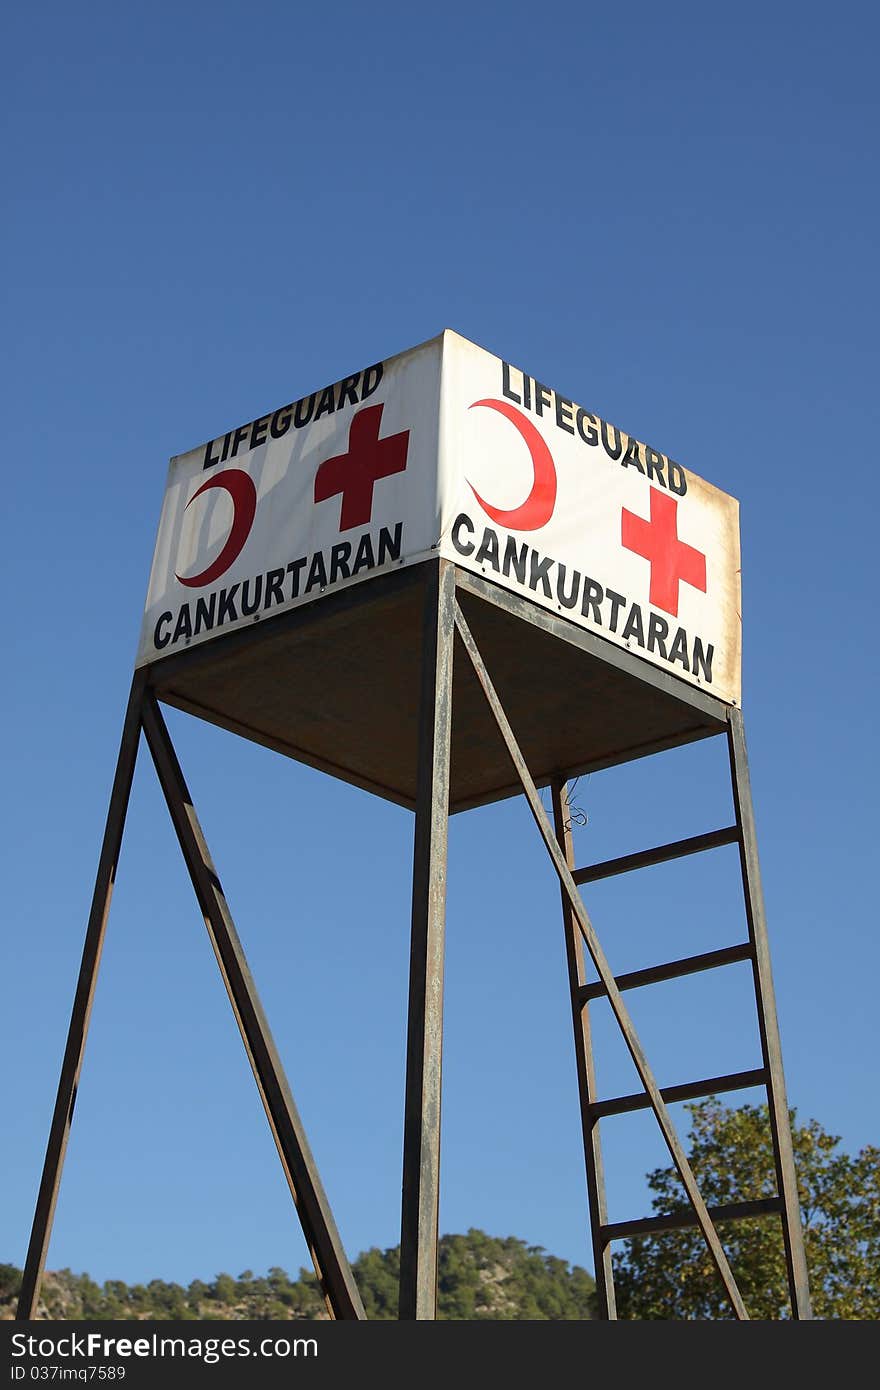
{"type": "Point", "coordinates": [734, 1081]}
{"type": "Point", "coordinates": [736, 1211]}
{"type": "Point", "coordinates": [676, 850]}
{"type": "Point", "coordinates": [671, 971]}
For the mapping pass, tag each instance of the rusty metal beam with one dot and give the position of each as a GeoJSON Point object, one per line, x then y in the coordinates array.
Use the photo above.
{"type": "Point", "coordinates": [694, 844]}
{"type": "Point", "coordinates": [786, 1177]}
{"type": "Point", "coordinates": [680, 1220]}
{"type": "Point", "coordinates": [690, 1090]}
{"type": "Point", "coordinates": [77, 1032]}
{"type": "Point", "coordinates": [671, 970]}
{"type": "Point", "coordinates": [420, 1204]}
{"type": "Point", "coordinates": [586, 1069]}
{"type": "Point", "coordinates": [331, 1265]}
{"type": "Point", "coordinates": [597, 955]}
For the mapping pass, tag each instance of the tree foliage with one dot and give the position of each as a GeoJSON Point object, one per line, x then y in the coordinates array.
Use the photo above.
{"type": "Point", "coordinates": [671, 1275]}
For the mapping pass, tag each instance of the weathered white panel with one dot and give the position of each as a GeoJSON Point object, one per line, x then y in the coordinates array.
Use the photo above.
{"type": "Point", "coordinates": [327, 492]}
{"type": "Point", "coordinates": [549, 500]}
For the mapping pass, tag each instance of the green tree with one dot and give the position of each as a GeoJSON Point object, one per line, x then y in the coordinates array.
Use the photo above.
{"type": "Point", "coordinates": [196, 1294]}
{"type": "Point", "coordinates": [378, 1277]}
{"type": "Point", "coordinates": [10, 1282]}
{"type": "Point", "coordinates": [224, 1289]}
{"type": "Point", "coordinates": [671, 1275]}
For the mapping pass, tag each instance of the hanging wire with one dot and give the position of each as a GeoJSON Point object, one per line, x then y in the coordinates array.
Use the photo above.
{"type": "Point", "coordinates": [577, 815]}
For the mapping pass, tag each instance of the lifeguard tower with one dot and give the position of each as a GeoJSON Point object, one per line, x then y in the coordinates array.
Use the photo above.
{"type": "Point", "coordinates": [446, 583]}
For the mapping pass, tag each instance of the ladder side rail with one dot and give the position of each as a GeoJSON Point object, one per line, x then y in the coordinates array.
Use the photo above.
{"type": "Point", "coordinates": [586, 1072]}
{"type": "Point", "coordinates": [780, 1127]}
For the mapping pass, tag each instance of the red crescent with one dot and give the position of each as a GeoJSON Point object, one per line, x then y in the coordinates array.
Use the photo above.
{"type": "Point", "coordinates": [240, 487]}
{"type": "Point", "coordinates": [537, 509]}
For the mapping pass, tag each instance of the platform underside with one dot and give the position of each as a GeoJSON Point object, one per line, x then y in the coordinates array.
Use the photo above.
{"type": "Point", "coordinates": [336, 685]}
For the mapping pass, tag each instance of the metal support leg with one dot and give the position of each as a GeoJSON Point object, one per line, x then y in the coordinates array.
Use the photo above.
{"type": "Point", "coordinates": [424, 1046]}
{"type": "Point", "coordinates": [786, 1177]}
{"type": "Point", "coordinates": [71, 1067]}
{"type": "Point", "coordinates": [331, 1266]}
{"type": "Point", "coordinates": [586, 1070]}
{"type": "Point", "coordinates": [597, 955]}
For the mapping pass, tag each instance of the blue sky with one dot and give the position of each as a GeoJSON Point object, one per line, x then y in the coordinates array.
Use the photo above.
{"type": "Point", "coordinates": [667, 213]}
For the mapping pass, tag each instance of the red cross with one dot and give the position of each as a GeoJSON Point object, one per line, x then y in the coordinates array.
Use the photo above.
{"type": "Point", "coordinates": [671, 560]}
{"type": "Point", "coordinates": [353, 474]}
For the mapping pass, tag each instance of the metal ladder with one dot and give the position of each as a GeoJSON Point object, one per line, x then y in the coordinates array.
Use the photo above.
{"type": "Point", "coordinates": [770, 1075]}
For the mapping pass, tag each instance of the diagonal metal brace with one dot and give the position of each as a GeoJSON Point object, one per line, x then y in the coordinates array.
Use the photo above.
{"type": "Point", "coordinates": [597, 955]}
{"type": "Point", "coordinates": [331, 1265]}
{"type": "Point", "coordinates": [74, 1052]}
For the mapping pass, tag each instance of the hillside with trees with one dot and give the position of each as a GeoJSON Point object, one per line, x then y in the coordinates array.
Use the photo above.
{"type": "Point", "coordinates": [481, 1277]}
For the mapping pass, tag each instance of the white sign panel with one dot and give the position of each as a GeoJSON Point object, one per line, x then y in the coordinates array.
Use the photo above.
{"type": "Point", "coordinates": [547, 499]}
{"type": "Point", "coordinates": [447, 449]}
{"type": "Point", "coordinates": [325, 492]}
